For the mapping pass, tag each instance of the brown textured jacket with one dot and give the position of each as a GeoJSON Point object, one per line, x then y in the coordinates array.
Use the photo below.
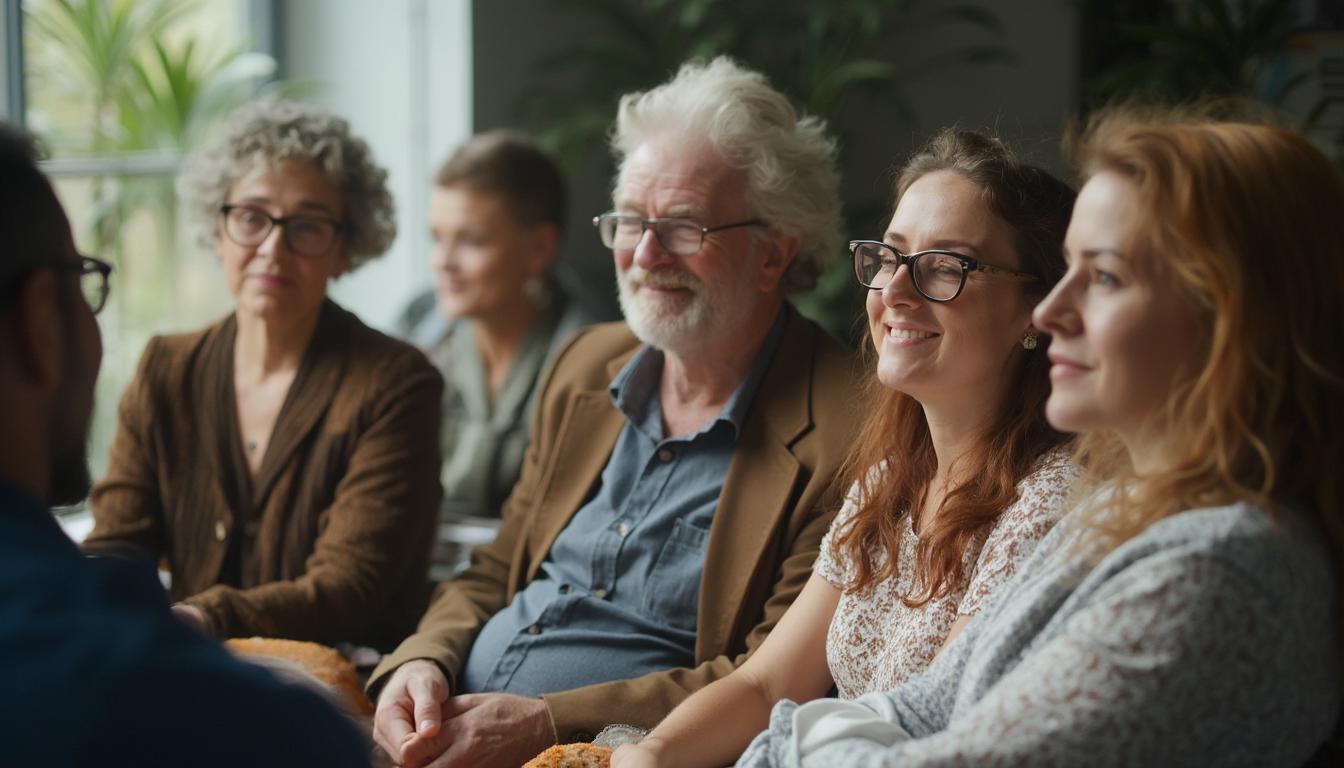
{"type": "Point", "coordinates": [777, 501]}
{"type": "Point", "coordinates": [332, 536]}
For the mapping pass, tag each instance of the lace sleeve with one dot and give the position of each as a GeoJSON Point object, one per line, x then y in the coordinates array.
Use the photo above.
{"type": "Point", "coordinates": [1041, 500]}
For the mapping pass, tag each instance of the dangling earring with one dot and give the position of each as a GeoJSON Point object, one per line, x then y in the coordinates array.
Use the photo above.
{"type": "Point", "coordinates": [1029, 341]}
{"type": "Point", "coordinates": [538, 292]}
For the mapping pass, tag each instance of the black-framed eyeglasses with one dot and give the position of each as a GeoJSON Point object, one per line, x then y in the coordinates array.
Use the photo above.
{"type": "Point", "coordinates": [93, 279]}
{"type": "Point", "coordinates": [305, 235]}
{"type": "Point", "coordinates": [682, 237]}
{"type": "Point", "coordinates": [937, 275]}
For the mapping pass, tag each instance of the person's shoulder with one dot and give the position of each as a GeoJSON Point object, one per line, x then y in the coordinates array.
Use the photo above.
{"type": "Point", "coordinates": [1240, 546]}
{"type": "Point", "coordinates": [171, 357]}
{"type": "Point", "coordinates": [1241, 531]}
{"type": "Point", "coordinates": [824, 374]}
{"type": "Point", "coordinates": [585, 358]}
{"type": "Point", "coordinates": [373, 352]}
{"type": "Point", "coordinates": [1053, 475]}
{"type": "Point", "coordinates": [835, 367]}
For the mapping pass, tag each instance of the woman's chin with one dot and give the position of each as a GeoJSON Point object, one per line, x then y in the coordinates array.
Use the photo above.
{"type": "Point", "coordinates": [267, 308]}
{"type": "Point", "coordinates": [1066, 415]}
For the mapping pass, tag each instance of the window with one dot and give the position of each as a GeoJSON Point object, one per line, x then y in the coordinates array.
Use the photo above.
{"type": "Point", "coordinates": [118, 91]}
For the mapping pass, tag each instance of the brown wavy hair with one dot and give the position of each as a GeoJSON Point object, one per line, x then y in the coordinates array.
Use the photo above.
{"type": "Point", "coordinates": [1037, 206]}
{"type": "Point", "coordinates": [1247, 220]}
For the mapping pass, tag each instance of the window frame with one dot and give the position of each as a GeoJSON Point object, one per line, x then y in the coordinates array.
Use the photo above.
{"type": "Point", "coordinates": [262, 18]}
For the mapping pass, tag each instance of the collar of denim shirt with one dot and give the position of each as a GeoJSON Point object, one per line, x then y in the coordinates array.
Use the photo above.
{"type": "Point", "coordinates": [634, 390]}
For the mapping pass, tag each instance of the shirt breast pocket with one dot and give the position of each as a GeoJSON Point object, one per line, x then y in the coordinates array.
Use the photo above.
{"type": "Point", "coordinates": [672, 596]}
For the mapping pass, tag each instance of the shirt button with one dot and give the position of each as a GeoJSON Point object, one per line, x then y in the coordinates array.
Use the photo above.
{"type": "Point", "coordinates": [664, 455]}
{"type": "Point", "coordinates": [535, 629]}
{"type": "Point", "coordinates": [621, 529]}
{"type": "Point", "coordinates": [564, 589]}
{"type": "Point", "coordinates": [221, 532]}
{"type": "Point", "coordinates": [600, 593]}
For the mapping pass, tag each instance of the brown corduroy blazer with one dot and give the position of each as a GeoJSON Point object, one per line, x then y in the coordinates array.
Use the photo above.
{"type": "Point", "coordinates": [332, 536]}
{"type": "Point", "coordinates": [777, 501]}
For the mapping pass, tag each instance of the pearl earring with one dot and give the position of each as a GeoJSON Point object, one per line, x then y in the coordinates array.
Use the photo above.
{"type": "Point", "coordinates": [1029, 341]}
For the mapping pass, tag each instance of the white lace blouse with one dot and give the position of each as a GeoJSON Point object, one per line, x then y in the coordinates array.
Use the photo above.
{"type": "Point", "coordinates": [875, 641]}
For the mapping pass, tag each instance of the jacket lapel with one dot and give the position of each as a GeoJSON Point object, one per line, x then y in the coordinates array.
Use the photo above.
{"type": "Point", "coordinates": [308, 399]}
{"type": "Point", "coordinates": [581, 452]}
{"type": "Point", "coordinates": [759, 487]}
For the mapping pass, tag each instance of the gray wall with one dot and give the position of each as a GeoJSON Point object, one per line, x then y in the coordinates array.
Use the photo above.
{"type": "Point", "coordinates": [509, 38]}
{"type": "Point", "coordinates": [1026, 101]}
{"type": "Point", "coordinates": [399, 71]}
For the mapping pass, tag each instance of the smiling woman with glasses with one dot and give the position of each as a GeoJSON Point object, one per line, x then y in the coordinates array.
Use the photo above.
{"type": "Point", "coordinates": [281, 460]}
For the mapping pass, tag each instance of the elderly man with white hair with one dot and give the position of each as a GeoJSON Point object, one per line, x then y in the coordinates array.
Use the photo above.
{"type": "Point", "coordinates": [681, 472]}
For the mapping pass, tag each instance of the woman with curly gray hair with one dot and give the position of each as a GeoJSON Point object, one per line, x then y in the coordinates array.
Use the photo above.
{"type": "Point", "coordinates": [283, 462]}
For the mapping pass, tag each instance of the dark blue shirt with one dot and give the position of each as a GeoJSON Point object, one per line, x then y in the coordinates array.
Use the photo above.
{"type": "Point", "coordinates": [96, 671]}
{"type": "Point", "coordinates": [618, 593]}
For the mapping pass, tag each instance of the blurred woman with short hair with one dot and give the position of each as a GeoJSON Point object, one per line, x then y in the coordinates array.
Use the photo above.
{"type": "Point", "coordinates": [495, 315]}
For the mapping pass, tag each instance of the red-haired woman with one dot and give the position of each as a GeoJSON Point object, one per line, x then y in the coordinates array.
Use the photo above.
{"type": "Point", "coordinates": [1188, 612]}
{"type": "Point", "coordinates": [956, 475]}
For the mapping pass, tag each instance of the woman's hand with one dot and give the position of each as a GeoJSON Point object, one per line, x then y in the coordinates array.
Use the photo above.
{"type": "Point", "coordinates": [634, 756]}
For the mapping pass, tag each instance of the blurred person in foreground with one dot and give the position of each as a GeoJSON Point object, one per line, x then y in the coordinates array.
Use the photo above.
{"type": "Point", "coordinates": [97, 671]}
{"type": "Point", "coordinates": [1187, 611]}
{"type": "Point", "coordinates": [496, 314]}
{"type": "Point", "coordinates": [682, 465]}
{"type": "Point", "coordinates": [283, 461]}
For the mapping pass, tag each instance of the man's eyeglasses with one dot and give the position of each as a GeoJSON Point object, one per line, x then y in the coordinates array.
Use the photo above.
{"type": "Point", "coordinates": [682, 237]}
{"type": "Point", "coordinates": [93, 279]}
{"type": "Point", "coordinates": [937, 275]}
{"type": "Point", "coordinates": [305, 235]}
{"type": "Point", "coordinates": [93, 283]}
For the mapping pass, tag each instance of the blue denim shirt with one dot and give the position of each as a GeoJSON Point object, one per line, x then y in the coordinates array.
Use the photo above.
{"type": "Point", "coordinates": [618, 593]}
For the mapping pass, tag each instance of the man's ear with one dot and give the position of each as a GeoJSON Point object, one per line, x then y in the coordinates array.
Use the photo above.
{"type": "Point", "coordinates": [779, 251]}
{"type": "Point", "coordinates": [36, 330]}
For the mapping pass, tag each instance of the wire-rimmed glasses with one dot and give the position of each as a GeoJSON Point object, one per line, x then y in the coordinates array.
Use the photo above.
{"type": "Point", "coordinates": [682, 237]}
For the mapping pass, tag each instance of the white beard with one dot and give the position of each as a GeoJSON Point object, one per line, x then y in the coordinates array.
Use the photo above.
{"type": "Point", "coordinates": [684, 323]}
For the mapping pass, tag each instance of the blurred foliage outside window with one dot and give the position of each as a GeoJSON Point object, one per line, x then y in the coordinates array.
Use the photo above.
{"type": "Point", "coordinates": [117, 91]}
{"type": "Point", "coordinates": [1287, 55]}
